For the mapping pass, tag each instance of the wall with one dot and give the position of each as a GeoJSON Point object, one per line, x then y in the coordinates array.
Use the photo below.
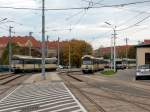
{"type": "Point", "coordinates": [141, 55]}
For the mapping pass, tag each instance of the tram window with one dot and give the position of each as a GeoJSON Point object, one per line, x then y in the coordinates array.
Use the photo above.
{"type": "Point", "coordinates": [16, 62]}
{"type": "Point", "coordinates": [37, 61]}
{"type": "Point", "coordinates": [147, 58]}
{"type": "Point", "coordinates": [47, 62]}
{"type": "Point", "coordinates": [118, 62]}
{"type": "Point", "coordinates": [54, 62]}
{"type": "Point", "coordinates": [87, 62]}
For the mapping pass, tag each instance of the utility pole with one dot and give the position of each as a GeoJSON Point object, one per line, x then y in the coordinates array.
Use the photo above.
{"type": "Point", "coordinates": [69, 57]}
{"type": "Point", "coordinates": [111, 52]}
{"type": "Point", "coordinates": [58, 52]}
{"type": "Point", "coordinates": [30, 35]}
{"type": "Point", "coordinates": [114, 48]}
{"type": "Point", "coordinates": [47, 46]}
{"type": "Point", "coordinates": [43, 39]}
{"type": "Point", "coordinates": [114, 36]}
{"type": "Point", "coordinates": [10, 48]}
{"type": "Point", "coordinates": [126, 40]}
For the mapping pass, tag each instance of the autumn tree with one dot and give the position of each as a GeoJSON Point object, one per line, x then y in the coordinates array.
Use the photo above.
{"type": "Point", "coordinates": [132, 52]}
{"type": "Point", "coordinates": [78, 48]}
{"type": "Point", "coordinates": [17, 50]}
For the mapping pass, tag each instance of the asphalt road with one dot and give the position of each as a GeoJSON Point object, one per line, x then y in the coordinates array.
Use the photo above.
{"type": "Point", "coordinates": [128, 75]}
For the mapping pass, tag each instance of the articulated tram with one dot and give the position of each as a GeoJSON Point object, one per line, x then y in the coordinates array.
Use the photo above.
{"type": "Point", "coordinates": [28, 63]}
{"type": "Point", "coordinates": [91, 64]}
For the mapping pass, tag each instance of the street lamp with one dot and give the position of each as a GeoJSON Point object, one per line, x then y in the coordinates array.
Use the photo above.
{"type": "Point", "coordinates": [10, 47]}
{"type": "Point", "coordinates": [43, 39]}
{"type": "Point", "coordinates": [114, 36]}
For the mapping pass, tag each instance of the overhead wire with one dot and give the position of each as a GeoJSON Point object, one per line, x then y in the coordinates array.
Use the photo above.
{"type": "Point", "coordinates": [75, 8]}
{"type": "Point", "coordinates": [133, 25]}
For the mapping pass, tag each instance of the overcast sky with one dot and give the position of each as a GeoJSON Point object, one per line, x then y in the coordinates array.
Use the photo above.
{"type": "Point", "coordinates": [85, 24]}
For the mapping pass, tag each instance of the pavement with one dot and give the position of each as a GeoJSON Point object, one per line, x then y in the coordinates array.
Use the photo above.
{"type": "Point", "coordinates": [49, 76]}
{"type": "Point", "coordinates": [127, 75]}
{"type": "Point", "coordinates": [41, 95]}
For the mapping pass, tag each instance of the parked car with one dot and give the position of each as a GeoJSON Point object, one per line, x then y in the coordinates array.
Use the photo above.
{"type": "Point", "coordinates": [143, 71]}
{"type": "Point", "coordinates": [60, 66]}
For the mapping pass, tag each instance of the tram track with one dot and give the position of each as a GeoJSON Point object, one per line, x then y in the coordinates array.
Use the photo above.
{"type": "Point", "coordinates": [10, 81]}
{"type": "Point", "coordinates": [100, 108]}
{"type": "Point", "coordinates": [113, 93]}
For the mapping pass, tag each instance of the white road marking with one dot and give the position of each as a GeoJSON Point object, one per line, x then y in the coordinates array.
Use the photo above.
{"type": "Point", "coordinates": [35, 98]}
{"type": "Point", "coordinates": [10, 94]}
{"type": "Point", "coordinates": [25, 105]}
{"type": "Point", "coordinates": [53, 107]}
{"type": "Point", "coordinates": [84, 110]}
{"type": "Point", "coordinates": [56, 102]}
{"type": "Point", "coordinates": [67, 108]}
{"type": "Point", "coordinates": [40, 97]}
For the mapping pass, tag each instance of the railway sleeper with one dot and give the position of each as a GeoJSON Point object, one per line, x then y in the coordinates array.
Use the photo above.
{"type": "Point", "coordinates": [5, 81]}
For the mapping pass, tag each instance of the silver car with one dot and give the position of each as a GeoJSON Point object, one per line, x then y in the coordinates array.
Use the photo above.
{"type": "Point", "coordinates": [143, 71]}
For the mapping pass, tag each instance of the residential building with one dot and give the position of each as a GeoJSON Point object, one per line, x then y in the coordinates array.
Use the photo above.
{"type": "Point", "coordinates": [143, 54]}
{"type": "Point", "coordinates": [120, 51]}
{"type": "Point", "coordinates": [22, 41]}
{"type": "Point", "coordinates": [27, 42]}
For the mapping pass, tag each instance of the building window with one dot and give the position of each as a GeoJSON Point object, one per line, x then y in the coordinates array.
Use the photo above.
{"type": "Point", "coordinates": [147, 58]}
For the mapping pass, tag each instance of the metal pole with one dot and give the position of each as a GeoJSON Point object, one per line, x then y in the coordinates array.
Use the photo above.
{"type": "Point", "coordinates": [126, 51]}
{"type": "Point", "coordinates": [111, 52]}
{"type": "Point", "coordinates": [115, 49]}
{"type": "Point", "coordinates": [10, 48]}
{"type": "Point", "coordinates": [30, 35]}
{"type": "Point", "coordinates": [69, 57]}
{"type": "Point", "coordinates": [47, 46]}
{"type": "Point", "coordinates": [58, 52]}
{"type": "Point", "coordinates": [43, 39]}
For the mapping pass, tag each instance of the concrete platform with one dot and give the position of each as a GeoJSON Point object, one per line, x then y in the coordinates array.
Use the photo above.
{"type": "Point", "coordinates": [41, 97]}
{"type": "Point", "coordinates": [49, 77]}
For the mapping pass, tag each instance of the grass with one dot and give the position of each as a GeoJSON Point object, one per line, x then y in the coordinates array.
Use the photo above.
{"type": "Point", "coordinates": [108, 72]}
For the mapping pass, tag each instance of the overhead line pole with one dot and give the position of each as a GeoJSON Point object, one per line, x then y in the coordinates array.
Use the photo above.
{"type": "Point", "coordinates": [69, 57]}
{"type": "Point", "coordinates": [126, 39]}
{"type": "Point", "coordinates": [111, 52]}
{"type": "Point", "coordinates": [58, 52]}
{"type": "Point", "coordinates": [47, 46]}
{"type": "Point", "coordinates": [43, 39]}
{"type": "Point", "coordinates": [10, 48]}
{"type": "Point", "coordinates": [30, 35]}
{"type": "Point", "coordinates": [114, 36]}
{"type": "Point", "coordinates": [114, 49]}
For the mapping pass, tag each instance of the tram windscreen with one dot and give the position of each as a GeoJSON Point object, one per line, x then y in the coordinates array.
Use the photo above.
{"type": "Point", "coordinates": [87, 62]}
{"type": "Point", "coordinates": [118, 62]}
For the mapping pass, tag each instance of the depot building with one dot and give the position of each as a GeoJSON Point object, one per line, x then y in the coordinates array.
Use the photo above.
{"type": "Point", "coordinates": [143, 54]}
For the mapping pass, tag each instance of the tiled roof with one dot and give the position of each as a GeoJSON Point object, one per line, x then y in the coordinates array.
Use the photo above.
{"type": "Point", "coordinates": [20, 40]}
{"type": "Point", "coordinates": [146, 41]}
{"type": "Point", "coordinates": [54, 44]}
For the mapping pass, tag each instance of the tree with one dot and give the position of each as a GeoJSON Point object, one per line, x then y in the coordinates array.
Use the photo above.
{"type": "Point", "coordinates": [5, 55]}
{"type": "Point", "coordinates": [78, 48]}
{"type": "Point", "coordinates": [132, 52]}
{"type": "Point", "coordinates": [17, 50]}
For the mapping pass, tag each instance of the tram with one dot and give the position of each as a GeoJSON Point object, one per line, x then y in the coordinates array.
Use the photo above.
{"type": "Point", "coordinates": [91, 64]}
{"type": "Point", "coordinates": [28, 63]}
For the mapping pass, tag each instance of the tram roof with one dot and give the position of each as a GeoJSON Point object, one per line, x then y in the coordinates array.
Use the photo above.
{"type": "Point", "coordinates": [22, 57]}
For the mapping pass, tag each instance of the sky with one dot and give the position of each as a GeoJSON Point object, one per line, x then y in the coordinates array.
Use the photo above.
{"type": "Point", "coordinates": [86, 24]}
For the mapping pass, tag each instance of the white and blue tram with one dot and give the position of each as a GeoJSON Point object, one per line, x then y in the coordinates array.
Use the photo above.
{"type": "Point", "coordinates": [28, 63]}
{"type": "Point", "coordinates": [91, 64]}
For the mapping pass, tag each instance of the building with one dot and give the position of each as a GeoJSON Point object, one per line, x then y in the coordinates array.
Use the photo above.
{"type": "Point", "coordinates": [143, 53]}
{"type": "Point", "coordinates": [27, 42]}
{"type": "Point", "coordinates": [52, 47]}
{"type": "Point", "coordinates": [22, 41]}
{"type": "Point", "coordinates": [120, 51]}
